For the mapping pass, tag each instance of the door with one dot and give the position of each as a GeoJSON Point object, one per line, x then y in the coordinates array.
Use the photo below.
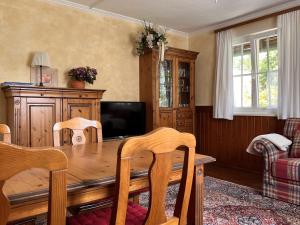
{"type": "Point", "coordinates": [184, 81]}
{"type": "Point", "coordinates": [185, 95]}
{"type": "Point", "coordinates": [85, 108]}
{"type": "Point", "coordinates": [166, 118]}
{"type": "Point", "coordinates": [38, 120]}
{"type": "Point", "coordinates": [166, 92]}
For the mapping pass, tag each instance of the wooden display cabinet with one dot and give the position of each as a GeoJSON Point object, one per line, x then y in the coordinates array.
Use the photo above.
{"type": "Point", "coordinates": [32, 112]}
{"type": "Point", "coordinates": [168, 88]}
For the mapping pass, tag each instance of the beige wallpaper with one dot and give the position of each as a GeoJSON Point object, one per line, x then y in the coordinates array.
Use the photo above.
{"type": "Point", "coordinates": [205, 64]}
{"type": "Point", "coordinates": [72, 38]}
{"type": "Point", "coordinates": [204, 43]}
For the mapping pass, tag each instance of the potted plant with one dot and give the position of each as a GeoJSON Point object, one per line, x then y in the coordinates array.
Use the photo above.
{"type": "Point", "coordinates": [152, 37]}
{"type": "Point", "coordinates": [81, 75]}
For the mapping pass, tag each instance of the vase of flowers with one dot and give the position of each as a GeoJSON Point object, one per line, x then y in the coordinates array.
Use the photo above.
{"type": "Point", "coordinates": [81, 75]}
{"type": "Point", "coordinates": [152, 37]}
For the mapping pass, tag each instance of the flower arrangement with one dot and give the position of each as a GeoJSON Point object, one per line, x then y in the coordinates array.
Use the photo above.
{"type": "Point", "coordinates": [86, 74]}
{"type": "Point", "coordinates": [151, 37]}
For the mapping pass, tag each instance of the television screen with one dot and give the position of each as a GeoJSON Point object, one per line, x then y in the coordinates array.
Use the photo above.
{"type": "Point", "coordinates": [122, 119]}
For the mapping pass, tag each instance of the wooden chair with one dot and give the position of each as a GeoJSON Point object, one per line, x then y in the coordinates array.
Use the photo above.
{"type": "Point", "coordinates": [162, 143]}
{"type": "Point", "coordinates": [4, 129]}
{"type": "Point", "coordinates": [15, 159]}
{"type": "Point", "coordinates": [77, 125]}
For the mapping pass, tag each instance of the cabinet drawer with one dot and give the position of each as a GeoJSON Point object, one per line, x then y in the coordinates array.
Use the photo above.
{"type": "Point", "coordinates": [184, 122]}
{"type": "Point", "coordinates": [84, 95]}
{"type": "Point", "coordinates": [180, 123]}
{"type": "Point", "coordinates": [184, 114]}
{"type": "Point", "coordinates": [185, 129]}
{"type": "Point", "coordinates": [42, 94]}
{"type": "Point", "coordinates": [189, 122]}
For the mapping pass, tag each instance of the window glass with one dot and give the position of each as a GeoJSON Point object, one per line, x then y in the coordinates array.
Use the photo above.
{"type": "Point", "coordinates": [237, 60]}
{"type": "Point", "coordinates": [273, 54]}
{"type": "Point", "coordinates": [247, 58]}
{"type": "Point", "coordinates": [247, 91]}
{"type": "Point", "coordinates": [256, 83]}
{"type": "Point", "coordinates": [237, 84]}
{"type": "Point", "coordinates": [262, 90]}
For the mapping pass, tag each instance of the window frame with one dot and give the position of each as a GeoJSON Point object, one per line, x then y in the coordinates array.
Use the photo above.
{"type": "Point", "coordinates": [254, 110]}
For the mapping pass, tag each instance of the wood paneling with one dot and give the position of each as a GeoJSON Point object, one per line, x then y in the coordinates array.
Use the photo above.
{"type": "Point", "coordinates": [227, 140]}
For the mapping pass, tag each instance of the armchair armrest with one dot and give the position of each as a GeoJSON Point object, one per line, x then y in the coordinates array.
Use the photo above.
{"type": "Point", "coordinates": [270, 152]}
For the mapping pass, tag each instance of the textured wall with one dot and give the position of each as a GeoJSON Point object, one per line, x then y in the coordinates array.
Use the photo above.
{"type": "Point", "coordinates": [72, 38]}
{"type": "Point", "coordinates": [205, 66]}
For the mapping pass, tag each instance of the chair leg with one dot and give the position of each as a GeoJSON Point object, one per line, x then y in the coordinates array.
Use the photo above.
{"type": "Point", "coordinates": [136, 199]}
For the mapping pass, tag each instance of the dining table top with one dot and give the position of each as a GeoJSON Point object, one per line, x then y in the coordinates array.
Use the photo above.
{"type": "Point", "coordinates": [89, 165]}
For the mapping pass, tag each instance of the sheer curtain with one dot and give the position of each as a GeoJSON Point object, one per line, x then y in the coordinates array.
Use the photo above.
{"type": "Point", "coordinates": [289, 65]}
{"type": "Point", "coordinates": [223, 96]}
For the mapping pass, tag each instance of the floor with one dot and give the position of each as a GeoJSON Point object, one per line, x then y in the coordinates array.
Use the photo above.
{"type": "Point", "coordinates": [241, 177]}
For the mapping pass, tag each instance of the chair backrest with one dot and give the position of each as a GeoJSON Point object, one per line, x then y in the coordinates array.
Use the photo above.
{"type": "Point", "coordinates": [5, 131]}
{"type": "Point", "coordinates": [16, 159]}
{"type": "Point", "coordinates": [162, 143]}
{"type": "Point", "coordinates": [77, 125]}
{"type": "Point", "coordinates": [290, 127]}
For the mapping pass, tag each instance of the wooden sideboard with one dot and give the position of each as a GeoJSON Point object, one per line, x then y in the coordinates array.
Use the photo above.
{"type": "Point", "coordinates": [32, 112]}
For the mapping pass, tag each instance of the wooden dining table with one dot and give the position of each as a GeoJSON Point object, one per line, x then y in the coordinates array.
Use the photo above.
{"type": "Point", "coordinates": [91, 177]}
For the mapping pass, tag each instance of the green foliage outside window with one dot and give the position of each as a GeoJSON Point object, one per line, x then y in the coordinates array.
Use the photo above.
{"type": "Point", "coordinates": [265, 81]}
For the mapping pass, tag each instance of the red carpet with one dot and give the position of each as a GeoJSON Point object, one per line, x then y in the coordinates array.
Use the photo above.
{"type": "Point", "coordinates": [232, 204]}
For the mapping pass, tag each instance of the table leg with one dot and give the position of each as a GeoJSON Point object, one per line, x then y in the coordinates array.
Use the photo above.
{"type": "Point", "coordinates": [136, 199]}
{"type": "Point", "coordinates": [195, 211]}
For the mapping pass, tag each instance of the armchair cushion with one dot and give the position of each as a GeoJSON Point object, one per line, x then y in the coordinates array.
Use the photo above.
{"type": "Point", "coordinates": [270, 152]}
{"type": "Point", "coordinates": [295, 150]}
{"type": "Point", "coordinates": [291, 125]}
{"type": "Point", "coordinates": [287, 169]}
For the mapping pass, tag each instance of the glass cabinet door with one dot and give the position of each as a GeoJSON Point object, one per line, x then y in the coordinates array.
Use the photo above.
{"type": "Point", "coordinates": [184, 84]}
{"type": "Point", "coordinates": [166, 84]}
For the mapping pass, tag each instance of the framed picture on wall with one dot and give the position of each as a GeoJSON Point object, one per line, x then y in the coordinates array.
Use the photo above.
{"type": "Point", "coordinates": [49, 76]}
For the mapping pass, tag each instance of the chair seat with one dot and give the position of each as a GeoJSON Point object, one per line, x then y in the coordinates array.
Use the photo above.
{"type": "Point", "coordinates": [136, 215]}
{"type": "Point", "coordinates": [288, 169]}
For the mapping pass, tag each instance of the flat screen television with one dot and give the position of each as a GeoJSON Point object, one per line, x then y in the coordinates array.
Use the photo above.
{"type": "Point", "coordinates": [122, 119]}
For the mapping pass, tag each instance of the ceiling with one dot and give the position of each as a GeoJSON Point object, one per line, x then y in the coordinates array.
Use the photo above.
{"type": "Point", "coordinates": [184, 15]}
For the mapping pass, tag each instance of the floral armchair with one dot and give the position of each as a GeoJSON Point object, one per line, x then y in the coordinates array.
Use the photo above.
{"type": "Point", "coordinates": [282, 168]}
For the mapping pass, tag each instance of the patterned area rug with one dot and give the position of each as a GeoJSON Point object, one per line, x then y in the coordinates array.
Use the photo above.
{"type": "Point", "coordinates": [227, 203]}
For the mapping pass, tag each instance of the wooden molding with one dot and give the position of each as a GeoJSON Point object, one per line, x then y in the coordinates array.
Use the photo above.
{"type": "Point", "coordinates": [51, 92]}
{"type": "Point", "coordinates": [258, 19]}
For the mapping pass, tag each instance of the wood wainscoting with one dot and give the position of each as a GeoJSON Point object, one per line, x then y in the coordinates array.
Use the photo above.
{"type": "Point", "coordinates": [227, 140]}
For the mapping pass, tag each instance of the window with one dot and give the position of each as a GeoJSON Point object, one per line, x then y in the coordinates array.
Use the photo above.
{"type": "Point", "coordinates": [255, 74]}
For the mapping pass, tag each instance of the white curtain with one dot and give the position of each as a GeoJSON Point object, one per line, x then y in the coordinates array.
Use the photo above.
{"type": "Point", "coordinates": [289, 65]}
{"type": "Point", "coordinates": [223, 96]}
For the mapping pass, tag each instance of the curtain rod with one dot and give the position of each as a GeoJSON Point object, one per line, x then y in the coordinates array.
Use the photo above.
{"type": "Point", "coordinates": [258, 18]}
